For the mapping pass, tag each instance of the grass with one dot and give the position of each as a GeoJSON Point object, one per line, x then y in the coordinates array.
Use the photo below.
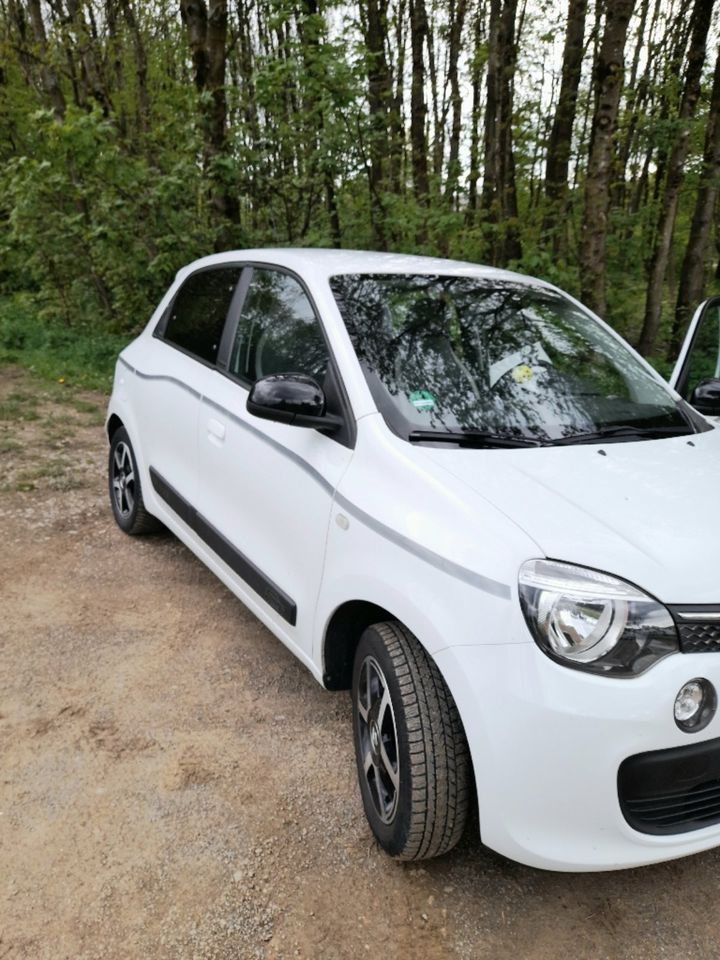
{"type": "Point", "coordinates": [9, 445]}
{"type": "Point", "coordinates": [18, 406]}
{"type": "Point", "coordinates": [78, 356]}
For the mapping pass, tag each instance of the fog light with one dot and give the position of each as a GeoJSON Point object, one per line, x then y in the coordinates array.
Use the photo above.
{"type": "Point", "coordinates": [695, 705]}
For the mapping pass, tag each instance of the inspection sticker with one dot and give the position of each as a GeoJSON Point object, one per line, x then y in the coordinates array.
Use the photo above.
{"type": "Point", "coordinates": [422, 400]}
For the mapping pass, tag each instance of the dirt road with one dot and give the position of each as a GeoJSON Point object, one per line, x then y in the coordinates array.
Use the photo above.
{"type": "Point", "coordinates": [173, 784]}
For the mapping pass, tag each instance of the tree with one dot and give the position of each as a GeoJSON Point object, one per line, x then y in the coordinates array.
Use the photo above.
{"type": "Point", "coordinates": [692, 275]}
{"type": "Point", "coordinates": [499, 195]}
{"type": "Point", "coordinates": [380, 88]}
{"type": "Point", "coordinates": [700, 24]}
{"type": "Point", "coordinates": [206, 27]}
{"type": "Point", "coordinates": [418, 108]}
{"type": "Point", "coordinates": [560, 140]}
{"type": "Point", "coordinates": [607, 80]}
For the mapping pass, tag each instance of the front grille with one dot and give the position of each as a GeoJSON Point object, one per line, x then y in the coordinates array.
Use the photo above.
{"type": "Point", "coordinates": [698, 629]}
{"type": "Point", "coordinates": [672, 791]}
{"type": "Point", "coordinates": [699, 637]}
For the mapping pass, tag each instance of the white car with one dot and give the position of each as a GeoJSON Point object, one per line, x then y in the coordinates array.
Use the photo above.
{"type": "Point", "coordinates": [456, 492]}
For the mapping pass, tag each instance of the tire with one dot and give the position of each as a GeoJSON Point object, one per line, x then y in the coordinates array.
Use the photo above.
{"type": "Point", "coordinates": [124, 487]}
{"type": "Point", "coordinates": [415, 790]}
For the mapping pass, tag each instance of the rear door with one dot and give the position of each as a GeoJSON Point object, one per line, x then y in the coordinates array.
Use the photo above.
{"type": "Point", "coordinates": [699, 358]}
{"type": "Point", "coordinates": [175, 364]}
{"type": "Point", "coordinates": [266, 488]}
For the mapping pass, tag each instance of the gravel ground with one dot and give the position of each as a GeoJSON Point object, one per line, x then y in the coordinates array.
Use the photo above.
{"type": "Point", "coordinates": [173, 783]}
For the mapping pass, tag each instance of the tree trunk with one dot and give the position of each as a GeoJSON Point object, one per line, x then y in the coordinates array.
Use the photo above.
{"type": "Point", "coordinates": [143, 101]}
{"type": "Point", "coordinates": [499, 196]}
{"type": "Point", "coordinates": [48, 76]}
{"type": "Point", "coordinates": [194, 16]}
{"type": "Point", "coordinates": [700, 24]}
{"type": "Point", "coordinates": [93, 81]}
{"type": "Point", "coordinates": [216, 46]}
{"type": "Point", "coordinates": [17, 16]}
{"type": "Point", "coordinates": [396, 119]}
{"type": "Point", "coordinates": [477, 65]}
{"type": "Point", "coordinates": [608, 81]}
{"type": "Point", "coordinates": [418, 108]}
{"type": "Point", "coordinates": [692, 276]}
{"type": "Point", "coordinates": [207, 36]}
{"type": "Point", "coordinates": [560, 140]}
{"type": "Point", "coordinates": [453, 169]}
{"type": "Point", "coordinates": [380, 89]}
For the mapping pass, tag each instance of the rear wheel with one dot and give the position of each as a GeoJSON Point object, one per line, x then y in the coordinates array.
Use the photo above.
{"type": "Point", "coordinates": [412, 756]}
{"type": "Point", "coordinates": [125, 490]}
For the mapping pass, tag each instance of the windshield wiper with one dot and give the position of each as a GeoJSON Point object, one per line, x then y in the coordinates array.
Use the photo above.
{"type": "Point", "coordinates": [623, 432]}
{"type": "Point", "coordinates": [470, 438]}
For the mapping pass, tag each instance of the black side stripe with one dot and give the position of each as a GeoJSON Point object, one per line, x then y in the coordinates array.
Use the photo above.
{"type": "Point", "coordinates": [244, 568]}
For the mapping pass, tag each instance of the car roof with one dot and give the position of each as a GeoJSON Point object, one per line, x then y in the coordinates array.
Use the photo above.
{"type": "Point", "coordinates": [328, 263]}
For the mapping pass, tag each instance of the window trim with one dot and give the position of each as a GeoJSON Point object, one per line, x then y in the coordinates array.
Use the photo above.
{"type": "Point", "coordinates": [161, 325]}
{"type": "Point", "coordinates": [682, 380]}
{"type": "Point", "coordinates": [233, 319]}
{"type": "Point", "coordinates": [348, 436]}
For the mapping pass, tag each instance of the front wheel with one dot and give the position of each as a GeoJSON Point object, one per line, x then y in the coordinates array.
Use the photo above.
{"type": "Point", "coordinates": [412, 756]}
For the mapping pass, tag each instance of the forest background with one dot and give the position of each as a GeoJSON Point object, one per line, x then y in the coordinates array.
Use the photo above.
{"type": "Point", "coordinates": [578, 142]}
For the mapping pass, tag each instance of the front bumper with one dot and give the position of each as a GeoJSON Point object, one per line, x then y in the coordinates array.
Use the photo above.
{"type": "Point", "coordinates": [547, 744]}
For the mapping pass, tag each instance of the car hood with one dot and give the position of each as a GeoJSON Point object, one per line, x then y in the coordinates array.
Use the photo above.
{"type": "Point", "coordinates": [647, 511]}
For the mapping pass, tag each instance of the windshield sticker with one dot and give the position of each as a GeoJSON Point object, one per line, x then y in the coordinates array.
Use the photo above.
{"type": "Point", "coordinates": [522, 373]}
{"type": "Point", "coordinates": [519, 358]}
{"type": "Point", "coordinates": [422, 400]}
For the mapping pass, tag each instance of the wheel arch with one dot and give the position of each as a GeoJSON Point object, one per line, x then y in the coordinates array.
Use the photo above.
{"type": "Point", "coordinates": [113, 424]}
{"type": "Point", "coordinates": [342, 635]}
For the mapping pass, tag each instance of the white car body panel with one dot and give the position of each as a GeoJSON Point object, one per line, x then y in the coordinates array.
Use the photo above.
{"type": "Point", "coordinates": [622, 507]}
{"type": "Point", "coordinates": [437, 537]}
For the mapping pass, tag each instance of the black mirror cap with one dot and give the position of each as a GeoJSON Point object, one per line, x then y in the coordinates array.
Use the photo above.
{"type": "Point", "coordinates": [706, 397]}
{"type": "Point", "coordinates": [292, 398]}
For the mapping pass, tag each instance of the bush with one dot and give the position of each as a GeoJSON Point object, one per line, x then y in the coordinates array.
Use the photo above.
{"type": "Point", "coordinates": [77, 355]}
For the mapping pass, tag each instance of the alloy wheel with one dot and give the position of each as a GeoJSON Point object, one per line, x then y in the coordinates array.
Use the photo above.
{"type": "Point", "coordinates": [123, 480]}
{"type": "Point", "coordinates": [378, 739]}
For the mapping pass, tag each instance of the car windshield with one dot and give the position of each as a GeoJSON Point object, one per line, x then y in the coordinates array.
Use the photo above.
{"type": "Point", "coordinates": [496, 358]}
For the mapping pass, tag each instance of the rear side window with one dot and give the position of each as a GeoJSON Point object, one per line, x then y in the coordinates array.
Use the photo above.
{"type": "Point", "coordinates": [198, 313]}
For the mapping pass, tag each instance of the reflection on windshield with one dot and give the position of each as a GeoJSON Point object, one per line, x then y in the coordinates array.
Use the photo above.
{"type": "Point", "coordinates": [462, 353]}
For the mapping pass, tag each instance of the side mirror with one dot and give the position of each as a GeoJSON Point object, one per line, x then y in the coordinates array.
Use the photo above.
{"type": "Point", "coordinates": [291, 398]}
{"type": "Point", "coordinates": [706, 398]}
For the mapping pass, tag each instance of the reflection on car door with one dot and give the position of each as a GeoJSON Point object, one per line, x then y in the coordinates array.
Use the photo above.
{"type": "Point", "coordinates": [699, 358]}
{"type": "Point", "coordinates": [267, 487]}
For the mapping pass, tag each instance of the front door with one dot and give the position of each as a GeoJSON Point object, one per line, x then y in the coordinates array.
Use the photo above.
{"type": "Point", "coordinates": [266, 488]}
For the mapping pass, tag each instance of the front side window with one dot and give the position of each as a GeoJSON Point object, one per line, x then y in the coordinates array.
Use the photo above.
{"type": "Point", "coordinates": [464, 354]}
{"type": "Point", "coordinates": [198, 312]}
{"type": "Point", "coordinates": [278, 331]}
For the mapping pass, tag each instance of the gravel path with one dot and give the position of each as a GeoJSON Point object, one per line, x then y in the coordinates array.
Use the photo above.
{"type": "Point", "coordinates": [173, 783]}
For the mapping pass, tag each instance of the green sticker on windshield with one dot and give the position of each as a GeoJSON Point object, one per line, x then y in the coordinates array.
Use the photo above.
{"type": "Point", "coordinates": [422, 400]}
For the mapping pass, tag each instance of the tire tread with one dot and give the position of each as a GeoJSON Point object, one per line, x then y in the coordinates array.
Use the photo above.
{"type": "Point", "coordinates": [439, 757]}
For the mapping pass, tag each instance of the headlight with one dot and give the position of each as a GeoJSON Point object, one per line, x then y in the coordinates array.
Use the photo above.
{"type": "Point", "coordinates": [592, 621]}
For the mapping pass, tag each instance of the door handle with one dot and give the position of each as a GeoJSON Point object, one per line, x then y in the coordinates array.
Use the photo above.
{"type": "Point", "coordinates": [216, 430]}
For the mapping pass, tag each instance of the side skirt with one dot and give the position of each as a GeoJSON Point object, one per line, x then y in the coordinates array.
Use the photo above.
{"type": "Point", "coordinates": [276, 598]}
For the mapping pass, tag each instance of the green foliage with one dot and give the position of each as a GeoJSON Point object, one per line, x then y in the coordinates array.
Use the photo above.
{"type": "Point", "coordinates": [100, 232]}
{"type": "Point", "coordinates": [99, 209]}
{"type": "Point", "coordinates": [82, 355]}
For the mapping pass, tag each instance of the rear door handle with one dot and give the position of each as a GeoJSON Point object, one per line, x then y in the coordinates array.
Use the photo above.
{"type": "Point", "coordinates": [216, 430]}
